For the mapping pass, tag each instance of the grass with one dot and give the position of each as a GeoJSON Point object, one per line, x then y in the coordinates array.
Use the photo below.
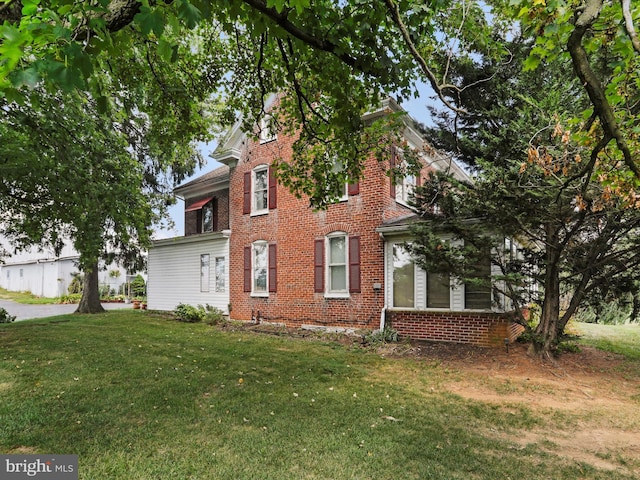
{"type": "Point", "coordinates": [25, 297]}
{"type": "Point", "coordinates": [139, 396]}
{"type": "Point", "coordinates": [621, 339]}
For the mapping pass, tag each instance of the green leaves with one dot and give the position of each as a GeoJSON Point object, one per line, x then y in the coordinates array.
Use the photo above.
{"type": "Point", "coordinates": [189, 13]}
{"type": "Point", "coordinates": [150, 21]}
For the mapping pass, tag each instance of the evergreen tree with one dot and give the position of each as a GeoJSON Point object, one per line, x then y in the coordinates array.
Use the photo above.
{"type": "Point", "coordinates": [558, 237]}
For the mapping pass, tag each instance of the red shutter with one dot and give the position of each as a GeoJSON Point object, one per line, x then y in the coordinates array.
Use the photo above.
{"type": "Point", "coordinates": [354, 264]}
{"type": "Point", "coordinates": [247, 269]}
{"type": "Point", "coordinates": [318, 266]}
{"type": "Point", "coordinates": [392, 177]}
{"type": "Point", "coordinates": [273, 265]}
{"type": "Point", "coordinates": [273, 190]}
{"type": "Point", "coordinates": [246, 199]}
{"type": "Point", "coordinates": [354, 188]}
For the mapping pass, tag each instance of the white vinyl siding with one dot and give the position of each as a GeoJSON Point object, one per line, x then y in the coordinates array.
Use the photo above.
{"type": "Point", "coordinates": [174, 272]}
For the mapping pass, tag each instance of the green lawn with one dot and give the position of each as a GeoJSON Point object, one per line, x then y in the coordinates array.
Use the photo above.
{"type": "Point", "coordinates": [622, 339]}
{"type": "Point", "coordinates": [25, 297]}
{"type": "Point", "coordinates": [139, 396]}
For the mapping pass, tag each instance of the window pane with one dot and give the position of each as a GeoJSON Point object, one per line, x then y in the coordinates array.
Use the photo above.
{"type": "Point", "coordinates": [204, 273]}
{"type": "Point", "coordinates": [338, 278]}
{"type": "Point", "coordinates": [207, 218]}
{"type": "Point", "coordinates": [438, 290]}
{"type": "Point", "coordinates": [478, 295]}
{"type": "Point", "coordinates": [337, 253]}
{"type": "Point", "coordinates": [260, 189]}
{"type": "Point", "coordinates": [403, 278]}
{"type": "Point", "coordinates": [260, 267]}
{"type": "Point", "coordinates": [220, 274]}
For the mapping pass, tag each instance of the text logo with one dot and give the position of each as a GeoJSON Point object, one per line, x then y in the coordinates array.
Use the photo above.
{"type": "Point", "coordinates": [43, 467]}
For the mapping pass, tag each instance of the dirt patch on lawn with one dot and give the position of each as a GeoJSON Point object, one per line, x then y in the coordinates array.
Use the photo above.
{"type": "Point", "coordinates": [595, 392]}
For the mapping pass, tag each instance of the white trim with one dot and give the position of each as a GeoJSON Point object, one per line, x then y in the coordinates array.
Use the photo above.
{"type": "Point", "coordinates": [254, 292]}
{"type": "Point", "coordinates": [328, 293]}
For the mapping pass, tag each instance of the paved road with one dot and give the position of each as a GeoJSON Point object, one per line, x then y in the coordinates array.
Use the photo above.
{"type": "Point", "coordinates": [24, 312]}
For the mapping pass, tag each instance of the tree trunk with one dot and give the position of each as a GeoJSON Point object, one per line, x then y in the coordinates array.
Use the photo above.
{"type": "Point", "coordinates": [636, 308]}
{"type": "Point", "coordinates": [546, 334]}
{"type": "Point", "coordinates": [90, 301]}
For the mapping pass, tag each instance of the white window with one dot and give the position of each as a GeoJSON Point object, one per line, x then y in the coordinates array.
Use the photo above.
{"type": "Point", "coordinates": [260, 266]}
{"type": "Point", "coordinates": [260, 189]}
{"type": "Point", "coordinates": [340, 192]}
{"type": "Point", "coordinates": [404, 187]}
{"type": "Point", "coordinates": [204, 272]}
{"type": "Point", "coordinates": [477, 292]}
{"type": "Point", "coordinates": [207, 217]}
{"type": "Point", "coordinates": [412, 287]}
{"type": "Point", "coordinates": [403, 278]}
{"type": "Point", "coordinates": [337, 264]}
{"type": "Point", "coordinates": [438, 290]}
{"type": "Point", "coordinates": [267, 131]}
{"type": "Point", "coordinates": [220, 274]}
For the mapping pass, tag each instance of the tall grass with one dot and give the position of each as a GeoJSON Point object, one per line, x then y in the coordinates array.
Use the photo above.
{"type": "Point", "coordinates": [139, 396]}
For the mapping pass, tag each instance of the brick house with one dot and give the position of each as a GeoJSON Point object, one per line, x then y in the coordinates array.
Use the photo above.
{"type": "Point", "coordinates": [263, 255]}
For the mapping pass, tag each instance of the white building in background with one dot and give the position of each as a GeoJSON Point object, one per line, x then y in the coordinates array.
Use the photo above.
{"type": "Point", "coordinates": [45, 274]}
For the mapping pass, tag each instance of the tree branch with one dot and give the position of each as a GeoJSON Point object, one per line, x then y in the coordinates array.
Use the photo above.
{"type": "Point", "coordinates": [394, 11]}
{"type": "Point", "coordinates": [282, 19]}
{"type": "Point", "coordinates": [584, 20]}
{"type": "Point", "coordinates": [628, 24]}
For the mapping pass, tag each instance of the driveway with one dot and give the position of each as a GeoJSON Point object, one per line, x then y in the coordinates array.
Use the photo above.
{"type": "Point", "coordinates": [24, 312]}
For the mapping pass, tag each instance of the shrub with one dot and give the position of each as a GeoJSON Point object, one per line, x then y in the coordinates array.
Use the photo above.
{"type": "Point", "coordinates": [104, 291]}
{"type": "Point", "coordinates": [5, 317]}
{"type": "Point", "coordinates": [387, 335]}
{"type": "Point", "coordinates": [189, 313]}
{"type": "Point", "coordinates": [214, 315]}
{"type": "Point", "coordinates": [76, 284]}
{"type": "Point", "coordinates": [71, 298]}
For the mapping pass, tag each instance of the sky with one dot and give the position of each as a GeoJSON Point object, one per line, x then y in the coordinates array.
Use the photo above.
{"type": "Point", "coordinates": [416, 108]}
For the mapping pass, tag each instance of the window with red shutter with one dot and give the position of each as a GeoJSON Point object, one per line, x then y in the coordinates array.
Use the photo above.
{"type": "Point", "coordinates": [354, 188]}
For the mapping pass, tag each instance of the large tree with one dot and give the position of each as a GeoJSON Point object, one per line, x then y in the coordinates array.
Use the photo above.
{"type": "Point", "coordinates": [347, 52]}
{"type": "Point", "coordinates": [101, 175]}
{"type": "Point", "coordinates": [559, 239]}
{"type": "Point", "coordinates": [333, 60]}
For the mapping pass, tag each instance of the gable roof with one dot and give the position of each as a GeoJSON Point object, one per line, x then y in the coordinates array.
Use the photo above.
{"type": "Point", "coordinates": [214, 180]}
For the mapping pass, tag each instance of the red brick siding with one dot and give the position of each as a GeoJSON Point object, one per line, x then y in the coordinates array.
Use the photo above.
{"type": "Point", "coordinates": [293, 226]}
{"type": "Point", "coordinates": [191, 219]}
{"type": "Point", "coordinates": [484, 329]}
